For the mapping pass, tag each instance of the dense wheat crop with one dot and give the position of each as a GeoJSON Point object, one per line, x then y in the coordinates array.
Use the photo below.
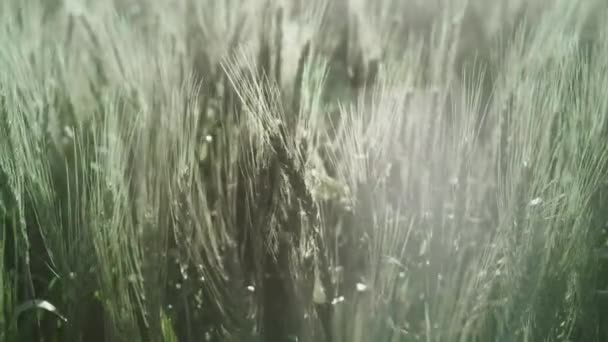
{"type": "Point", "coordinates": [303, 170]}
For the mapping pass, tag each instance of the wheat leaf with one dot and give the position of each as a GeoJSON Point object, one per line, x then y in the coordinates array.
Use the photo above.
{"type": "Point", "coordinates": [41, 305]}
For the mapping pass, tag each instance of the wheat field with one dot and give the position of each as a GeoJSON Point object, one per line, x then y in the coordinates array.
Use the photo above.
{"type": "Point", "coordinates": [303, 170]}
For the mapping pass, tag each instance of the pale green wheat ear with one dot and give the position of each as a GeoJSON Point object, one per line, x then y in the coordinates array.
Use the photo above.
{"type": "Point", "coordinates": [166, 329]}
{"type": "Point", "coordinates": [38, 304]}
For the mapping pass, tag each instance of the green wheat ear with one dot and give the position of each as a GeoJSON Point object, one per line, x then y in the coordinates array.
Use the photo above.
{"type": "Point", "coordinates": [167, 328]}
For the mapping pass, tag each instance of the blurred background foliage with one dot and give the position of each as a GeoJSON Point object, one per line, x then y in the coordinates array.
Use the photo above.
{"type": "Point", "coordinates": [268, 170]}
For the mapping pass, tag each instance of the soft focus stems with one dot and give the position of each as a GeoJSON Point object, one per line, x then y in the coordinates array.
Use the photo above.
{"type": "Point", "coordinates": [503, 153]}
{"type": "Point", "coordinates": [285, 313]}
{"type": "Point", "coordinates": [297, 91]}
{"type": "Point", "coordinates": [325, 310]}
{"type": "Point", "coordinates": [298, 185]}
{"type": "Point", "coordinates": [278, 40]}
{"type": "Point", "coordinates": [286, 281]}
{"type": "Point", "coordinates": [282, 313]}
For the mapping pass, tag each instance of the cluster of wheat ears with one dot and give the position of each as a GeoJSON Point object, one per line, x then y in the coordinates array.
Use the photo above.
{"type": "Point", "coordinates": [303, 170]}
